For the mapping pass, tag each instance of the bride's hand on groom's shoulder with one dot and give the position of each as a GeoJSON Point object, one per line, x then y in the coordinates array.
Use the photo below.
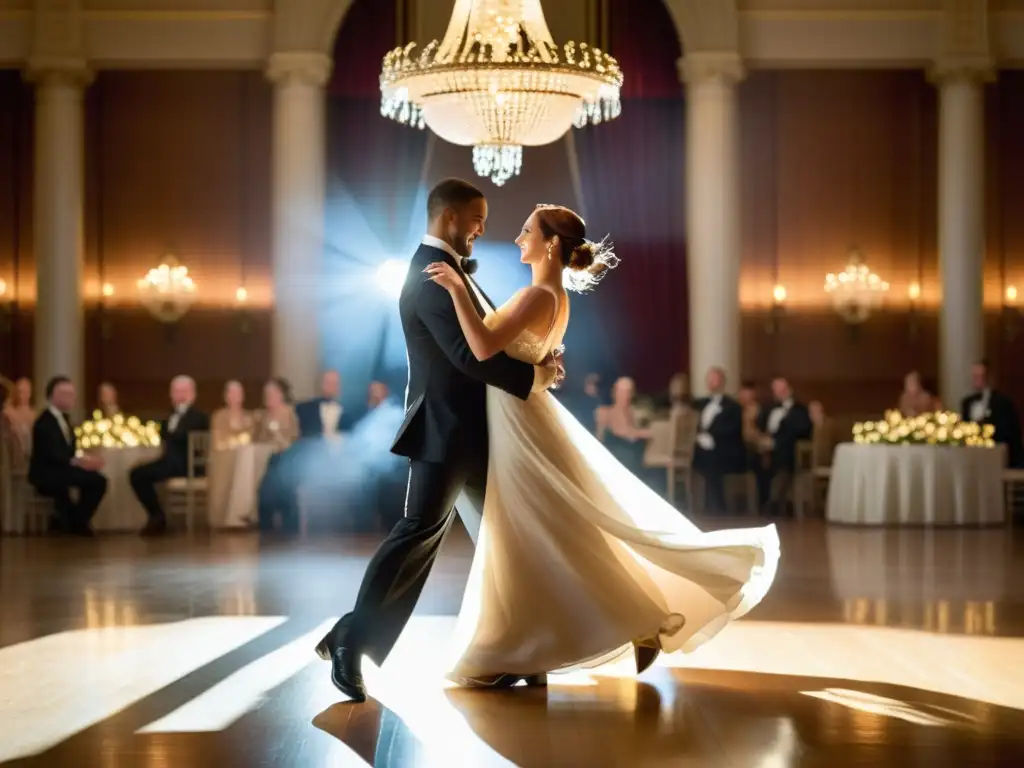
{"type": "Point", "coordinates": [444, 275]}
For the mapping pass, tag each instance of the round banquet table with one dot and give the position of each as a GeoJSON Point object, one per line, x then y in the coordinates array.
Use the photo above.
{"type": "Point", "coordinates": [120, 510]}
{"type": "Point", "coordinates": [233, 479]}
{"type": "Point", "coordinates": [915, 485]}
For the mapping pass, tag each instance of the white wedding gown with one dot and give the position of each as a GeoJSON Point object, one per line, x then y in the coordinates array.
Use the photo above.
{"type": "Point", "coordinates": [576, 557]}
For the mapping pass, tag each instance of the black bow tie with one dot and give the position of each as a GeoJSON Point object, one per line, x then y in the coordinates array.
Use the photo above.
{"type": "Point", "coordinates": [468, 265]}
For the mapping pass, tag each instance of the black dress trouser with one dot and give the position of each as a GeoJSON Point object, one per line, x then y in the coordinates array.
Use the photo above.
{"type": "Point", "coordinates": [397, 572]}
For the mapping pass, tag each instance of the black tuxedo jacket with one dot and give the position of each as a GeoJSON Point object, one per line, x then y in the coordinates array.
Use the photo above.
{"type": "Point", "coordinates": [445, 398]}
{"type": "Point", "coordinates": [1002, 415]}
{"type": "Point", "coordinates": [175, 443]}
{"type": "Point", "coordinates": [52, 453]}
{"type": "Point", "coordinates": [312, 425]}
{"type": "Point", "coordinates": [729, 454]}
{"type": "Point", "coordinates": [795, 426]}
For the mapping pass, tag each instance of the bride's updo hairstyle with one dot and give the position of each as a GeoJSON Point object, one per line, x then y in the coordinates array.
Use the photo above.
{"type": "Point", "coordinates": [585, 262]}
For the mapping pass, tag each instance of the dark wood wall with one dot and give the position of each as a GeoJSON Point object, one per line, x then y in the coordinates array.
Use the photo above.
{"type": "Point", "coordinates": [836, 159]}
{"type": "Point", "coordinates": [180, 162]}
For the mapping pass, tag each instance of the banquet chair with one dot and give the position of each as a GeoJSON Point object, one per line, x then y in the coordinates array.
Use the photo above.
{"type": "Point", "coordinates": [1013, 487]}
{"type": "Point", "coordinates": [671, 446]}
{"type": "Point", "coordinates": [813, 468]}
{"type": "Point", "coordinates": [194, 483]}
{"type": "Point", "coordinates": [22, 510]}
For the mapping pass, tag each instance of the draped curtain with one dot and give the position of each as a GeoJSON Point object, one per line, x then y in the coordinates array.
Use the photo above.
{"type": "Point", "coordinates": [373, 208]}
{"type": "Point", "coordinates": [632, 185]}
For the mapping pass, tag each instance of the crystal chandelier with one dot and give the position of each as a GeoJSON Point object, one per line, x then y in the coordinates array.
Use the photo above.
{"type": "Point", "coordinates": [167, 291]}
{"type": "Point", "coordinates": [856, 291]}
{"type": "Point", "coordinates": [497, 82]}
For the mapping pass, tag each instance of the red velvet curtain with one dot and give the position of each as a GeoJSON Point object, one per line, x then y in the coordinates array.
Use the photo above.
{"type": "Point", "coordinates": [632, 181]}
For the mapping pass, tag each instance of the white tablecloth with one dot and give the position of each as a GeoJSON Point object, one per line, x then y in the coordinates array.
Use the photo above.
{"type": "Point", "coordinates": [120, 510]}
{"type": "Point", "coordinates": [233, 478]}
{"type": "Point", "coordinates": [915, 485]}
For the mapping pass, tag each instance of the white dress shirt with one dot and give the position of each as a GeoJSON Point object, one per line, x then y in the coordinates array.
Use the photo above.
{"type": "Point", "coordinates": [707, 416]}
{"type": "Point", "coordinates": [330, 417]}
{"type": "Point", "coordinates": [542, 378]}
{"type": "Point", "coordinates": [778, 414]}
{"type": "Point", "coordinates": [64, 428]}
{"type": "Point", "coordinates": [179, 411]}
{"type": "Point", "coordinates": [979, 408]}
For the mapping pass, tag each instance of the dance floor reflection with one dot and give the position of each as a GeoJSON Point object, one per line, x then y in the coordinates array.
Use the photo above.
{"type": "Point", "coordinates": [875, 648]}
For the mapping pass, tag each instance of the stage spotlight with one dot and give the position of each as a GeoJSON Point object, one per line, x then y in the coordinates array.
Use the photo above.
{"type": "Point", "coordinates": [391, 276]}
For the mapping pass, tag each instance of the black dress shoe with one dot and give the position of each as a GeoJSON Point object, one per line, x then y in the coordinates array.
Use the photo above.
{"type": "Point", "coordinates": [645, 656]}
{"type": "Point", "coordinates": [346, 675]}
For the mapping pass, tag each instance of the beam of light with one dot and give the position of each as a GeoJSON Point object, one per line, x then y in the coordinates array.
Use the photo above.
{"type": "Point", "coordinates": [42, 705]}
{"type": "Point", "coordinates": [879, 705]}
{"type": "Point", "coordinates": [982, 669]}
{"type": "Point", "coordinates": [391, 276]}
{"type": "Point", "coordinates": [222, 705]}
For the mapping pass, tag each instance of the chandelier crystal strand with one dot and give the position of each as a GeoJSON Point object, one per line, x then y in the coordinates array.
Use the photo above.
{"type": "Point", "coordinates": [497, 82]}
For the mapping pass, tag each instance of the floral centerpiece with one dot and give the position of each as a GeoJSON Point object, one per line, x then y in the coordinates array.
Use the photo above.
{"type": "Point", "coordinates": [116, 432]}
{"type": "Point", "coordinates": [939, 428]}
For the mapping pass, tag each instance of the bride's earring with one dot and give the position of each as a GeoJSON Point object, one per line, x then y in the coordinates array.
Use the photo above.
{"type": "Point", "coordinates": [550, 246]}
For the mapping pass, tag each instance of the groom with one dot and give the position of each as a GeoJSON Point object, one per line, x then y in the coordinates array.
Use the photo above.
{"type": "Point", "coordinates": [444, 435]}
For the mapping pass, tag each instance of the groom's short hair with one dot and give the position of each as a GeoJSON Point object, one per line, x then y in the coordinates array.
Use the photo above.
{"type": "Point", "coordinates": [450, 193]}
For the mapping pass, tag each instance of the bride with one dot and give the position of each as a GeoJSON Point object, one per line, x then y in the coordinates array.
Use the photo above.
{"type": "Point", "coordinates": [578, 561]}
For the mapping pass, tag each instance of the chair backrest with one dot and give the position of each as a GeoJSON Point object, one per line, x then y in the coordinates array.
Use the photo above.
{"type": "Point", "coordinates": [685, 423]}
{"type": "Point", "coordinates": [660, 442]}
{"type": "Point", "coordinates": [198, 452]}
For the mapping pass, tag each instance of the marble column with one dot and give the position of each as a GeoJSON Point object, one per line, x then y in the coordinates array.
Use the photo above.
{"type": "Point", "coordinates": [712, 212]}
{"type": "Point", "coordinates": [58, 207]}
{"type": "Point", "coordinates": [961, 209]}
{"type": "Point", "coordinates": [298, 214]}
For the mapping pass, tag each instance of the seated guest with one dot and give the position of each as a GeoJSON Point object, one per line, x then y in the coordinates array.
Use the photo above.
{"type": "Point", "coordinates": [19, 417]}
{"type": "Point", "coordinates": [54, 469]}
{"type": "Point", "coordinates": [277, 425]}
{"type": "Point", "coordinates": [618, 429]}
{"type": "Point", "coordinates": [784, 424]}
{"type": "Point", "coordinates": [583, 402]}
{"type": "Point", "coordinates": [990, 406]}
{"type": "Point", "coordinates": [232, 423]}
{"type": "Point", "coordinates": [747, 398]}
{"type": "Point", "coordinates": [323, 416]}
{"type": "Point", "coordinates": [174, 431]}
{"type": "Point", "coordinates": [915, 399]}
{"type": "Point", "coordinates": [719, 450]}
{"type": "Point", "coordinates": [106, 398]}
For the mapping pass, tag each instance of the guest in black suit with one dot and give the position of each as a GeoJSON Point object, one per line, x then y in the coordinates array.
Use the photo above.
{"type": "Point", "coordinates": [53, 467]}
{"type": "Point", "coordinates": [783, 424]}
{"type": "Point", "coordinates": [444, 436]}
{"type": "Point", "coordinates": [990, 406]}
{"type": "Point", "coordinates": [719, 450]}
{"type": "Point", "coordinates": [174, 432]}
{"type": "Point", "coordinates": [324, 416]}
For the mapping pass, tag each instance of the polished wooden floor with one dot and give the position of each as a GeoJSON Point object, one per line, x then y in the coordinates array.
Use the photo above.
{"type": "Point", "coordinates": [875, 647]}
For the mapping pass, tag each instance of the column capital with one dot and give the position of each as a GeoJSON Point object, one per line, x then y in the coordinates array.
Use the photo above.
{"type": "Point", "coordinates": [695, 68]}
{"type": "Point", "coordinates": [63, 70]}
{"type": "Point", "coordinates": [978, 69]}
{"type": "Point", "coordinates": [309, 67]}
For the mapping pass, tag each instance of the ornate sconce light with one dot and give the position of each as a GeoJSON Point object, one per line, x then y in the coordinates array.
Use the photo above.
{"type": "Point", "coordinates": [778, 309]}
{"type": "Point", "coordinates": [167, 291]}
{"type": "Point", "coordinates": [856, 291]}
{"type": "Point", "coordinates": [1011, 313]}
{"type": "Point", "coordinates": [914, 297]}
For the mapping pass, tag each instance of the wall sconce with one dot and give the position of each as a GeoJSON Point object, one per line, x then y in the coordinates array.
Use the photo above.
{"type": "Point", "coordinates": [241, 303]}
{"type": "Point", "coordinates": [167, 291]}
{"type": "Point", "coordinates": [106, 301]}
{"type": "Point", "coordinates": [7, 307]}
{"type": "Point", "coordinates": [1011, 313]}
{"type": "Point", "coordinates": [856, 291]}
{"type": "Point", "coordinates": [778, 309]}
{"type": "Point", "coordinates": [914, 296]}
